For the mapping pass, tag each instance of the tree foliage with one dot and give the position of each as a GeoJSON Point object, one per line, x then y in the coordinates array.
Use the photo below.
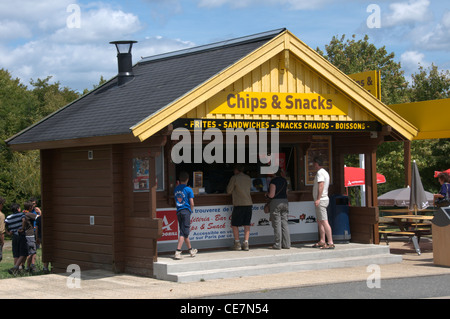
{"type": "Point", "coordinates": [21, 107]}
{"type": "Point", "coordinates": [354, 56]}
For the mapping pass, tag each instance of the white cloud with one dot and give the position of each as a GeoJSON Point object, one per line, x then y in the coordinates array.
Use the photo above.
{"type": "Point", "coordinates": [410, 61]}
{"type": "Point", "coordinates": [292, 4]}
{"type": "Point", "coordinates": [76, 57]}
{"type": "Point", "coordinates": [437, 38]}
{"type": "Point", "coordinates": [39, 16]}
{"type": "Point", "coordinates": [99, 24]}
{"type": "Point", "coordinates": [77, 65]}
{"type": "Point", "coordinates": [14, 29]}
{"type": "Point", "coordinates": [409, 12]}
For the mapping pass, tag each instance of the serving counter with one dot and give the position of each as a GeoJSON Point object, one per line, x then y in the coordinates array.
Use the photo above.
{"type": "Point", "coordinates": [211, 221]}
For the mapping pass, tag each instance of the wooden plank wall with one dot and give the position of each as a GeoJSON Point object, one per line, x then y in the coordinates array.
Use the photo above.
{"type": "Point", "coordinates": [46, 208]}
{"type": "Point", "coordinates": [75, 188]}
{"type": "Point", "coordinates": [295, 77]}
{"type": "Point", "coordinates": [118, 208]}
{"type": "Point", "coordinates": [141, 228]}
{"type": "Point", "coordinates": [362, 224]}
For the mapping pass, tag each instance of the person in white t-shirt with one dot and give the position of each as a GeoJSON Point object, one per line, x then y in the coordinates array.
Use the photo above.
{"type": "Point", "coordinates": [321, 201]}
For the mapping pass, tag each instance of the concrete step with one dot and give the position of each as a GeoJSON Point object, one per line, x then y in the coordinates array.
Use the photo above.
{"type": "Point", "coordinates": [260, 261]}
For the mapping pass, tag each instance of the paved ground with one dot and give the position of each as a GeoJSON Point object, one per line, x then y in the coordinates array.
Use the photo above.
{"type": "Point", "coordinates": [105, 285]}
{"type": "Point", "coordinates": [436, 286]}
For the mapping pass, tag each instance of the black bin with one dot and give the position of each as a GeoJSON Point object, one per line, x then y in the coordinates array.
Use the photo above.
{"type": "Point", "coordinates": [338, 217]}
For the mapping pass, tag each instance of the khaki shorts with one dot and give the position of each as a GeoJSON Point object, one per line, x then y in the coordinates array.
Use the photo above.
{"type": "Point", "coordinates": [321, 210]}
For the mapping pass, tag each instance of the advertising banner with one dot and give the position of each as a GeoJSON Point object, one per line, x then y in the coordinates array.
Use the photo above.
{"type": "Point", "coordinates": [211, 225]}
{"type": "Point", "coordinates": [279, 103]}
{"type": "Point", "coordinates": [370, 80]}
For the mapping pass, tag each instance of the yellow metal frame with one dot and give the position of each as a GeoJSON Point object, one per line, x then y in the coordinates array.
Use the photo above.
{"type": "Point", "coordinates": [430, 117]}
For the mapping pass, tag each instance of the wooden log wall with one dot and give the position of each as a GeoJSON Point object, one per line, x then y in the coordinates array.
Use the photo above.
{"type": "Point", "coordinates": [73, 189]}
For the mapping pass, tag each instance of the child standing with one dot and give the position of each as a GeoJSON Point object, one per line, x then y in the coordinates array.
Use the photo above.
{"type": "Point", "coordinates": [15, 226]}
{"type": "Point", "coordinates": [184, 200]}
{"type": "Point", "coordinates": [29, 235]}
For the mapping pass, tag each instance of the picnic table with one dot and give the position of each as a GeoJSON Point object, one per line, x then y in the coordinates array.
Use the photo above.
{"type": "Point", "coordinates": [413, 226]}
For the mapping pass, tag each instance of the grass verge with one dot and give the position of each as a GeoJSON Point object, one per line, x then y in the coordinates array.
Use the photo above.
{"type": "Point", "coordinates": [8, 262]}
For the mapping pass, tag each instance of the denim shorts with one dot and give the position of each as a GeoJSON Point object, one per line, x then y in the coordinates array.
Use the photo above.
{"type": "Point", "coordinates": [31, 243]}
{"type": "Point", "coordinates": [184, 222]}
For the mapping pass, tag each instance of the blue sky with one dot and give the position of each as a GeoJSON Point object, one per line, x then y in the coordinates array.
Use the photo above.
{"type": "Point", "coordinates": [69, 39]}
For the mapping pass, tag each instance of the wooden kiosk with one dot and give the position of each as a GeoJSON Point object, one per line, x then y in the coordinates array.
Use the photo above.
{"type": "Point", "coordinates": [107, 165]}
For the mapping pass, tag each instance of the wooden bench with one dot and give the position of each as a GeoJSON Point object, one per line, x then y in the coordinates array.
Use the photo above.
{"type": "Point", "coordinates": [417, 232]}
{"type": "Point", "coordinates": [387, 233]}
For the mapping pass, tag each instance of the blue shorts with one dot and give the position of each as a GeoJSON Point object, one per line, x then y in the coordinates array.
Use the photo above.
{"type": "Point", "coordinates": [184, 222]}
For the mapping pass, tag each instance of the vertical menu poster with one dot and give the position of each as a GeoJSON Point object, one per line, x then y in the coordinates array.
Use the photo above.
{"type": "Point", "coordinates": [320, 147]}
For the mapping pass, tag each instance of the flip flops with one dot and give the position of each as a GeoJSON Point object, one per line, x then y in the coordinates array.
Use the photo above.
{"type": "Point", "coordinates": [328, 246]}
{"type": "Point", "coordinates": [318, 245]}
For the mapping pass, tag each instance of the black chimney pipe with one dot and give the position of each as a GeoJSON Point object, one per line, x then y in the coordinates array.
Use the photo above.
{"type": "Point", "coordinates": [124, 61]}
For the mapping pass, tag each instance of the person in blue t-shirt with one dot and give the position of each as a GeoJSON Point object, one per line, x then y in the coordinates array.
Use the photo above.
{"type": "Point", "coordinates": [184, 200]}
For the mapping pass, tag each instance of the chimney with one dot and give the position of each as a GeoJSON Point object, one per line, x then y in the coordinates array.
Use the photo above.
{"type": "Point", "coordinates": [124, 61]}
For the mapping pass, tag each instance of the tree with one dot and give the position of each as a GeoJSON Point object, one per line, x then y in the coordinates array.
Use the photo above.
{"type": "Point", "coordinates": [430, 84]}
{"type": "Point", "coordinates": [430, 155]}
{"type": "Point", "coordinates": [20, 107]}
{"type": "Point", "coordinates": [351, 56]}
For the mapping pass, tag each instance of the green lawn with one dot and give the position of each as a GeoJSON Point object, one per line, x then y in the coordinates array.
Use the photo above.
{"type": "Point", "coordinates": [8, 262]}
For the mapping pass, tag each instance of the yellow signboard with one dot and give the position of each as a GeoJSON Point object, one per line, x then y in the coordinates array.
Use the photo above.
{"type": "Point", "coordinates": [428, 116]}
{"type": "Point", "coordinates": [370, 80]}
{"type": "Point", "coordinates": [279, 103]}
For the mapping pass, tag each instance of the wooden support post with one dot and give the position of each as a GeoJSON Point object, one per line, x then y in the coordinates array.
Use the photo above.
{"type": "Point", "coordinates": [371, 179]}
{"type": "Point", "coordinates": [407, 161]}
{"type": "Point", "coordinates": [372, 188]}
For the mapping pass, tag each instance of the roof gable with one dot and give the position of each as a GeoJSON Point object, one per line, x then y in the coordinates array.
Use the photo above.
{"type": "Point", "coordinates": [284, 45]}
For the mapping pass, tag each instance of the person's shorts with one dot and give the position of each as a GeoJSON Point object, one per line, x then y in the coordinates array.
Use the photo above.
{"type": "Point", "coordinates": [241, 216]}
{"type": "Point", "coordinates": [19, 246]}
{"type": "Point", "coordinates": [31, 243]}
{"type": "Point", "coordinates": [184, 222]}
{"type": "Point", "coordinates": [321, 210]}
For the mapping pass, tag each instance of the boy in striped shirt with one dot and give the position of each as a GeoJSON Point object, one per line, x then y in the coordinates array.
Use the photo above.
{"type": "Point", "coordinates": [15, 224]}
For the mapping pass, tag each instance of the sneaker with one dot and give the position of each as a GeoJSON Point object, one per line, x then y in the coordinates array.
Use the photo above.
{"type": "Point", "coordinates": [177, 255]}
{"type": "Point", "coordinates": [237, 245]}
{"type": "Point", "coordinates": [193, 252]}
{"type": "Point", "coordinates": [32, 269]}
{"type": "Point", "coordinates": [245, 246]}
{"type": "Point", "coordinates": [13, 271]}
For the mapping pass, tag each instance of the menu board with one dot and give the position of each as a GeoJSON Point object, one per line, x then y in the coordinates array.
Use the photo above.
{"type": "Point", "coordinates": [320, 147]}
{"type": "Point", "coordinates": [140, 174]}
{"type": "Point", "coordinates": [198, 179]}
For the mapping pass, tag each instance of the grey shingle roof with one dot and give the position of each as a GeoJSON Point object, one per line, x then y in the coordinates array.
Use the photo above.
{"type": "Point", "coordinates": [159, 80]}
